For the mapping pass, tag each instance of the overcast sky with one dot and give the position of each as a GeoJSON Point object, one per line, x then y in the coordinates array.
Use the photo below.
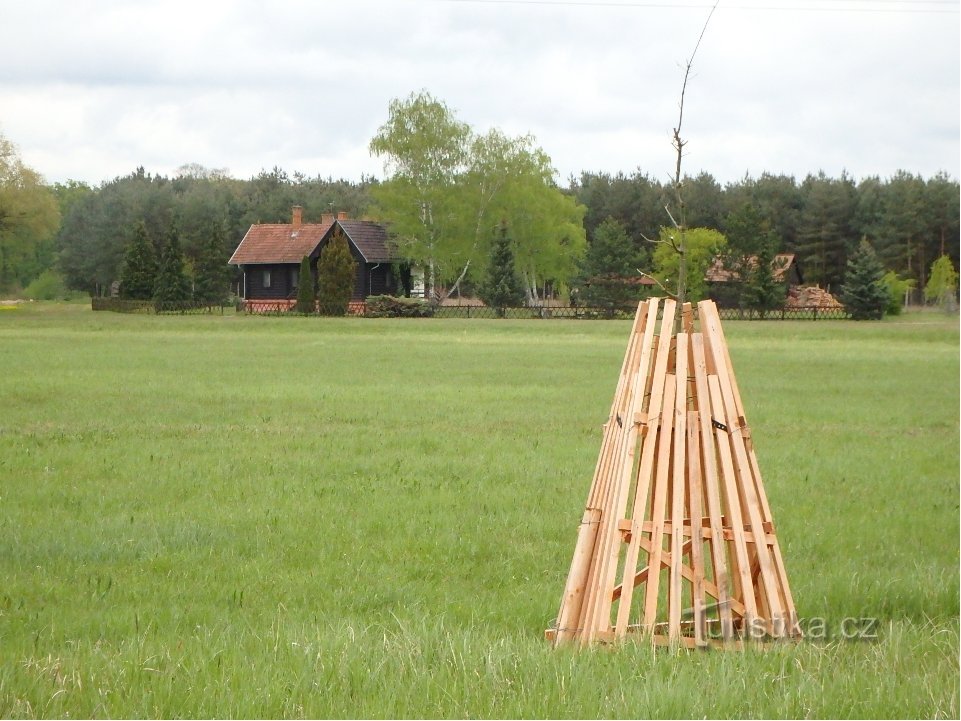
{"type": "Point", "coordinates": [91, 90]}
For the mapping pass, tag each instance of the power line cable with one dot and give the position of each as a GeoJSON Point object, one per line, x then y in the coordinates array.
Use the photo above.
{"type": "Point", "coordinates": [940, 7]}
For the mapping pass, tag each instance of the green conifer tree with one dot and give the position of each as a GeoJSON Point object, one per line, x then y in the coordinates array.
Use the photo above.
{"type": "Point", "coordinates": [139, 272]}
{"type": "Point", "coordinates": [211, 279]}
{"type": "Point", "coordinates": [336, 274]}
{"type": "Point", "coordinates": [864, 292]}
{"type": "Point", "coordinates": [172, 288]}
{"type": "Point", "coordinates": [305, 288]}
{"type": "Point", "coordinates": [762, 291]}
{"type": "Point", "coordinates": [501, 289]}
{"type": "Point", "coordinates": [609, 276]}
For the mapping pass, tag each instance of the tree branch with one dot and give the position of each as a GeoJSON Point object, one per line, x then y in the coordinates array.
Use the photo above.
{"type": "Point", "coordinates": [659, 283]}
{"type": "Point", "coordinates": [679, 144]}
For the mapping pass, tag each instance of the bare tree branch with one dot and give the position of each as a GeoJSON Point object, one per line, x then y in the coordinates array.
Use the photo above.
{"type": "Point", "coordinates": [668, 211]}
{"type": "Point", "coordinates": [659, 283]}
{"type": "Point", "coordinates": [679, 144]}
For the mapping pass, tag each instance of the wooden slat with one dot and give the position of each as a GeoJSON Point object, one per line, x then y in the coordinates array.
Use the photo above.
{"type": "Point", "coordinates": [687, 318]}
{"type": "Point", "coordinates": [570, 617]}
{"type": "Point", "coordinates": [596, 615]}
{"type": "Point", "coordinates": [678, 489]}
{"type": "Point", "coordinates": [660, 502]}
{"type": "Point", "coordinates": [645, 471]}
{"type": "Point", "coordinates": [711, 483]}
{"type": "Point", "coordinates": [742, 466]}
{"type": "Point", "coordinates": [740, 562]}
{"type": "Point", "coordinates": [710, 589]}
{"type": "Point", "coordinates": [694, 482]}
{"type": "Point", "coordinates": [790, 620]}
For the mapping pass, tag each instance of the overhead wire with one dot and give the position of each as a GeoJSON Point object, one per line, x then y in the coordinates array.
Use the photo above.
{"type": "Point", "coordinates": [833, 6]}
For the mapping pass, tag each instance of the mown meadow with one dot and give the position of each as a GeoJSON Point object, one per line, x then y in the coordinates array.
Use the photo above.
{"type": "Point", "coordinates": [239, 516]}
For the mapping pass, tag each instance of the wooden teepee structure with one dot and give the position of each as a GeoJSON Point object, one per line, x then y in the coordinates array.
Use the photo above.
{"type": "Point", "coordinates": [677, 542]}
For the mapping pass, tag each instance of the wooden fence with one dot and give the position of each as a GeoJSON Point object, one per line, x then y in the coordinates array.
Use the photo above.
{"type": "Point", "coordinates": [456, 310]}
{"type": "Point", "coordinates": [123, 305]}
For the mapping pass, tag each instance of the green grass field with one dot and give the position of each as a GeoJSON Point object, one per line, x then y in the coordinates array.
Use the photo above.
{"type": "Point", "coordinates": [236, 516]}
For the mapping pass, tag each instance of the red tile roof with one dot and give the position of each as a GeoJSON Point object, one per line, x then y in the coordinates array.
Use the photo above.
{"type": "Point", "coordinates": [278, 243]}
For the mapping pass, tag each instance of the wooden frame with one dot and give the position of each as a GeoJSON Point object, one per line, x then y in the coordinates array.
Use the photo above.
{"type": "Point", "coordinates": [677, 543]}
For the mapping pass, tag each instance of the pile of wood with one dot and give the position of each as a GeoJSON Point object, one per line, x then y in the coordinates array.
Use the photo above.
{"type": "Point", "coordinates": [810, 296]}
{"type": "Point", "coordinates": [677, 542]}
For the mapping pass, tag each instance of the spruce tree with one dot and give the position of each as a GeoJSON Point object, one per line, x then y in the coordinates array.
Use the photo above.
{"type": "Point", "coordinates": [609, 276]}
{"type": "Point", "coordinates": [172, 287]}
{"type": "Point", "coordinates": [336, 273]}
{"type": "Point", "coordinates": [211, 278]}
{"type": "Point", "coordinates": [139, 272]}
{"type": "Point", "coordinates": [501, 289]}
{"type": "Point", "coordinates": [762, 291]}
{"type": "Point", "coordinates": [864, 292]}
{"type": "Point", "coordinates": [305, 288]}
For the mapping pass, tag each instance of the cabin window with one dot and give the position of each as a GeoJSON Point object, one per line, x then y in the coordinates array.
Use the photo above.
{"type": "Point", "coordinates": [266, 279]}
{"type": "Point", "coordinates": [294, 277]}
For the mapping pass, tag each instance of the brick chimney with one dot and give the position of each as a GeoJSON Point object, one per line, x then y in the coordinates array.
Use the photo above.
{"type": "Point", "coordinates": [326, 218]}
{"type": "Point", "coordinates": [342, 215]}
{"type": "Point", "coordinates": [298, 216]}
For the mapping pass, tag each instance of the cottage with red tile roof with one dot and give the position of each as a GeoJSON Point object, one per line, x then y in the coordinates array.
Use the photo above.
{"type": "Point", "coordinates": [269, 257]}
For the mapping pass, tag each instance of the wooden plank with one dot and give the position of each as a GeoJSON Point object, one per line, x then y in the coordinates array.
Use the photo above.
{"type": "Point", "coordinates": [611, 427]}
{"type": "Point", "coordinates": [694, 482]}
{"type": "Point", "coordinates": [678, 489]}
{"type": "Point", "coordinates": [740, 562]}
{"type": "Point", "coordinates": [712, 485]}
{"type": "Point", "coordinates": [596, 616]}
{"type": "Point", "coordinates": [659, 503]}
{"type": "Point", "coordinates": [710, 319]}
{"type": "Point", "coordinates": [687, 319]}
{"type": "Point", "coordinates": [568, 618]}
{"type": "Point", "coordinates": [703, 529]}
{"type": "Point", "coordinates": [709, 588]}
{"type": "Point", "coordinates": [645, 470]}
{"type": "Point", "coordinates": [790, 625]}
{"type": "Point", "coordinates": [742, 466]}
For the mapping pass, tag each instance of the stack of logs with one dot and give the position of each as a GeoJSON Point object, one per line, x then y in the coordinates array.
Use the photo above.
{"type": "Point", "coordinates": [677, 543]}
{"type": "Point", "coordinates": [811, 296]}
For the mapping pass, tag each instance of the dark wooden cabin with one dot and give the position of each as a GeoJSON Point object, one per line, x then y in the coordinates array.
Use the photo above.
{"type": "Point", "coordinates": [269, 258]}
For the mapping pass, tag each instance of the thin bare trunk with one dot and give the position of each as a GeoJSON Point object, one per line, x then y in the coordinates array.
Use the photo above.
{"type": "Point", "coordinates": [680, 222]}
{"type": "Point", "coordinates": [463, 272]}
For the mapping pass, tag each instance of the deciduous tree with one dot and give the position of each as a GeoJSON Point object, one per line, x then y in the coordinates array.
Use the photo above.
{"type": "Point", "coordinates": [449, 188]}
{"type": "Point", "coordinates": [426, 150]}
{"type": "Point", "coordinates": [29, 218]}
{"type": "Point", "coordinates": [942, 287]}
{"type": "Point", "coordinates": [703, 246]}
